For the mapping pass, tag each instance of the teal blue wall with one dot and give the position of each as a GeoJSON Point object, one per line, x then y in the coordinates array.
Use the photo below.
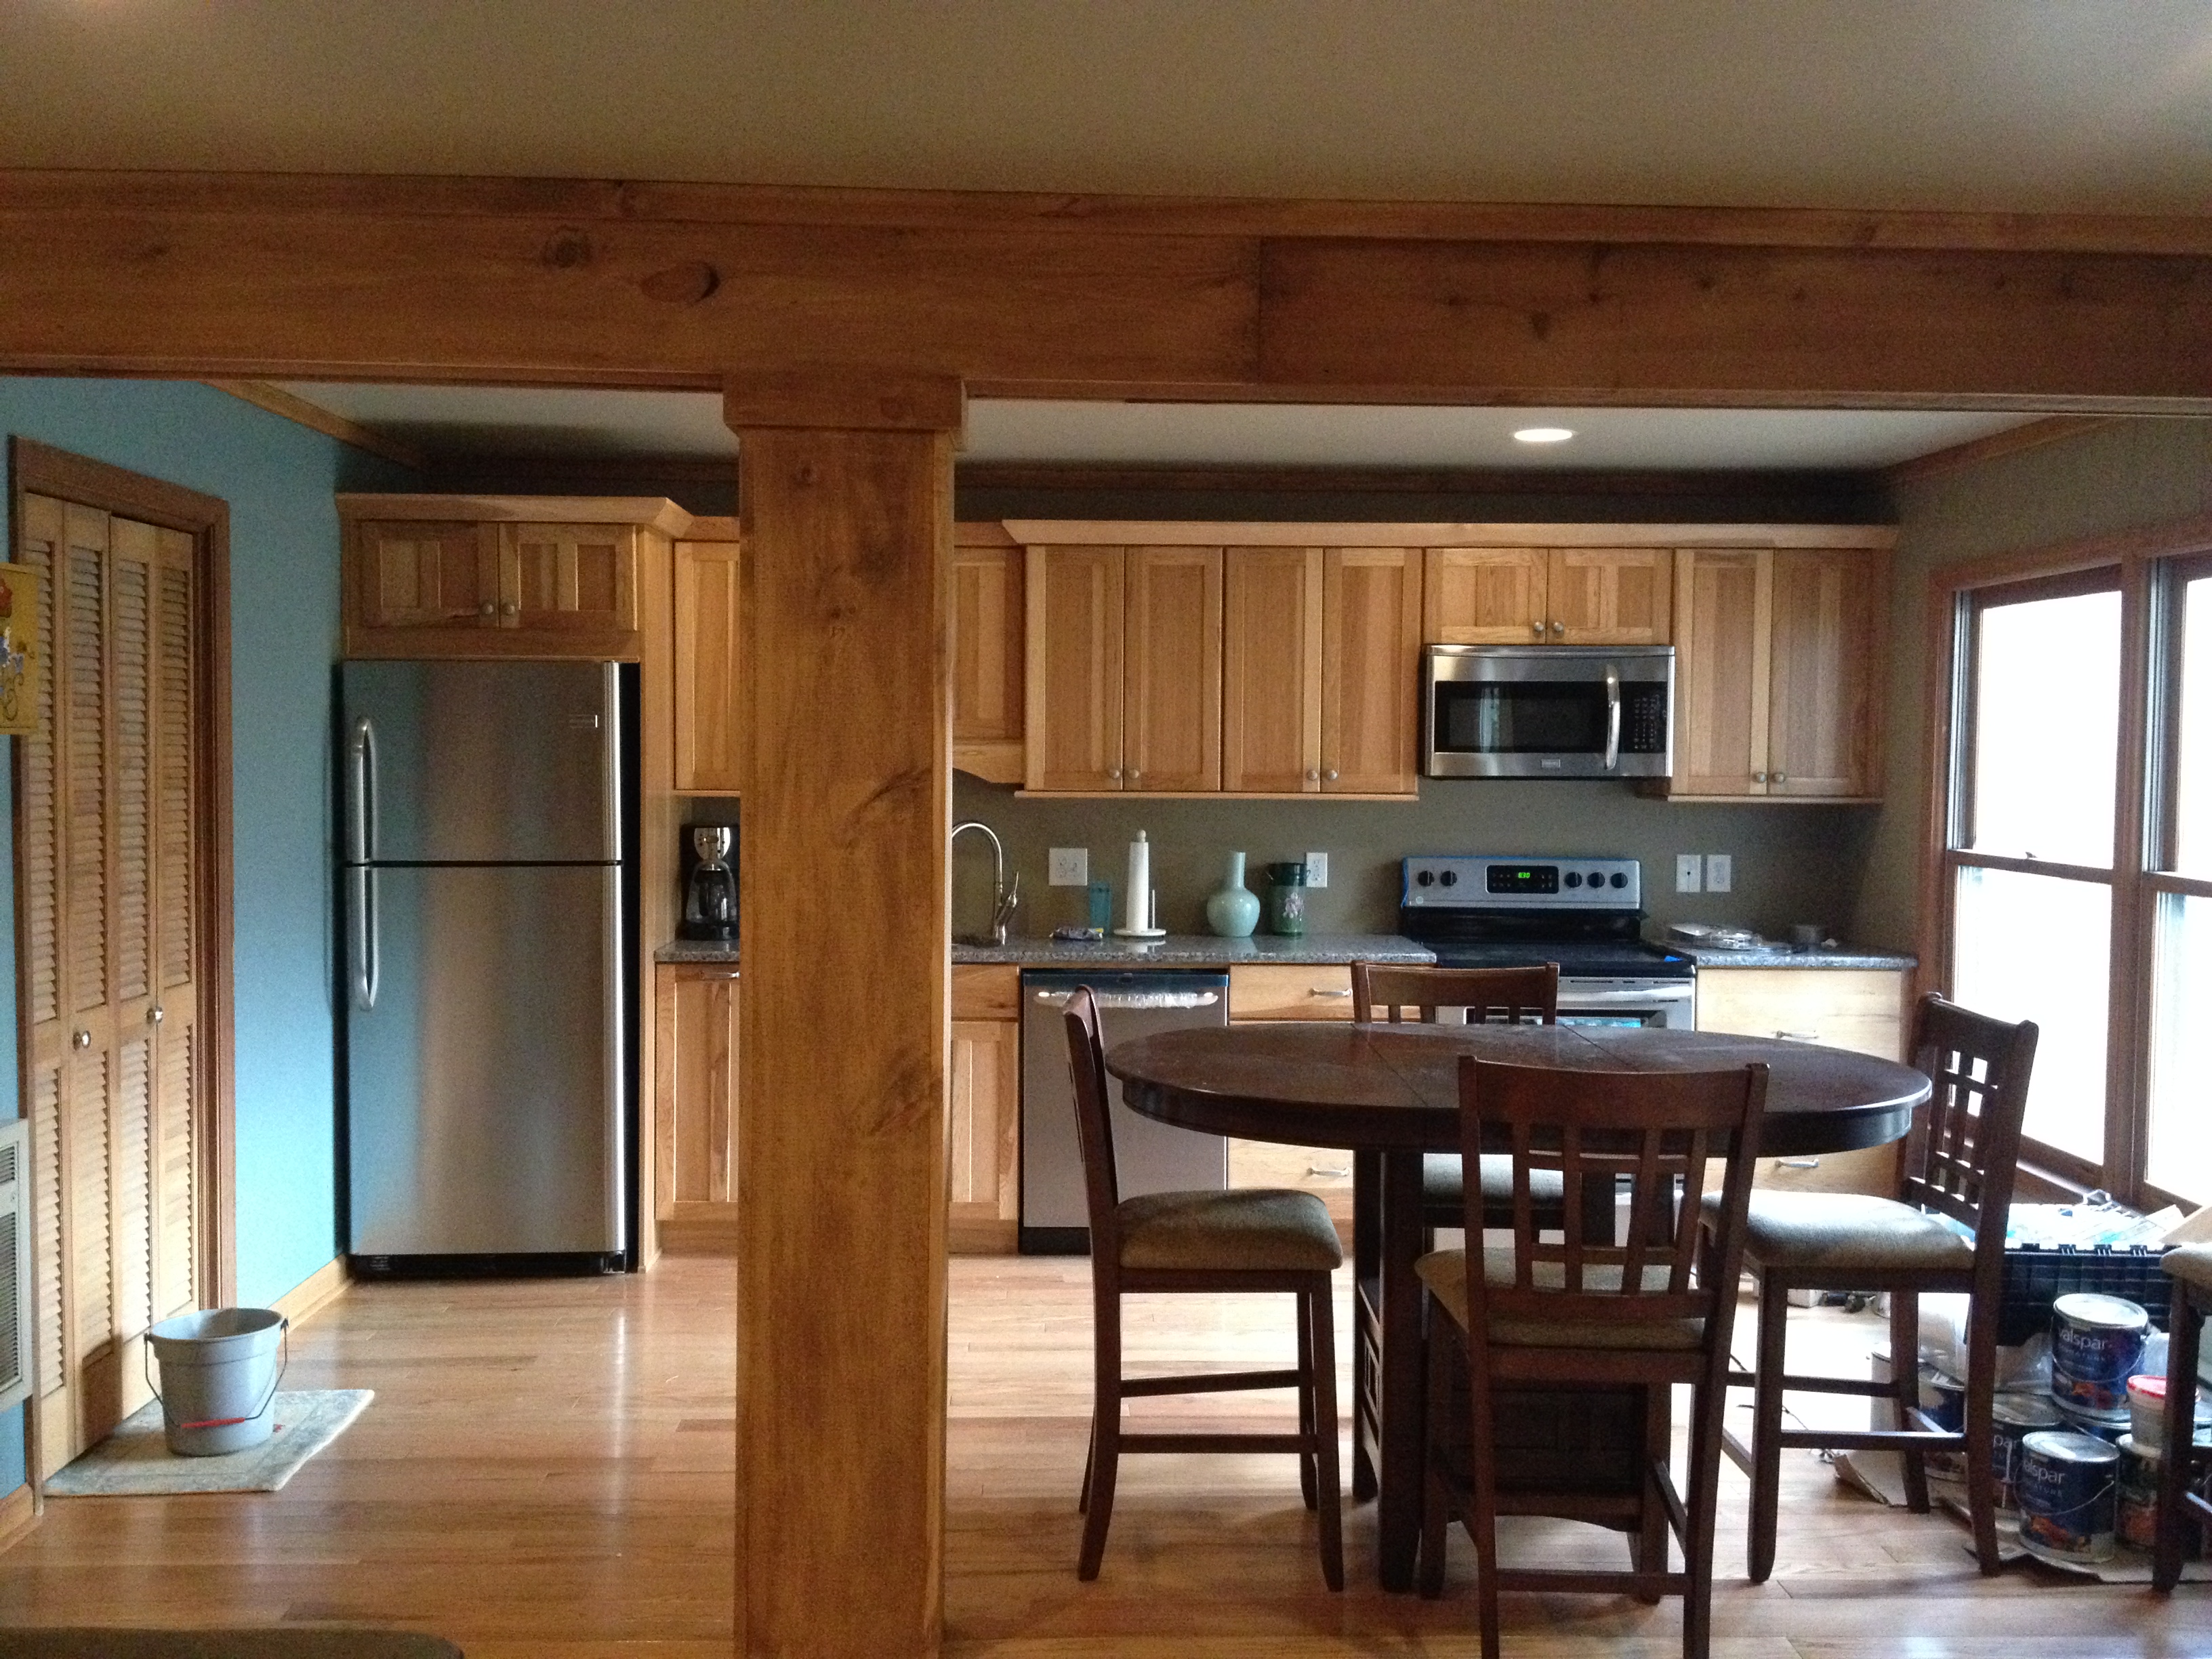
{"type": "Point", "coordinates": [278, 478]}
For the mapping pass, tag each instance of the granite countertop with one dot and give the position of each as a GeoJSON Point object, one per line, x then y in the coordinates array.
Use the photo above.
{"type": "Point", "coordinates": [1200, 950]}
{"type": "Point", "coordinates": [1782, 956]}
{"type": "Point", "coordinates": [693, 950]}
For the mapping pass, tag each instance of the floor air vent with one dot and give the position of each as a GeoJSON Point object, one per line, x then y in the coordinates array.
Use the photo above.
{"type": "Point", "coordinates": [15, 1264]}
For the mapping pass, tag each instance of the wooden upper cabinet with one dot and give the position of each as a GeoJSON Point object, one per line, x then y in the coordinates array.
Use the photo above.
{"type": "Point", "coordinates": [1371, 670]}
{"type": "Point", "coordinates": [705, 620]}
{"type": "Point", "coordinates": [1485, 596]}
{"type": "Point", "coordinates": [1779, 660]}
{"type": "Point", "coordinates": [416, 576]}
{"type": "Point", "coordinates": [543, 576]}
{"type": "Point", "coordinates": [1722, 602]}
{"type": "Point", "coordinates": [989, 690]}
{"type": "Point", "coordinates": [1610, 596]}
{"type": "Point", "coordinates": [1171, 694]}
{"type": "Point", "coordinates": [1073, 596]}
{"type": "Point", "coordinates": [1271, 651]}
{"type": "Point", "coordinates": [1824, 712]}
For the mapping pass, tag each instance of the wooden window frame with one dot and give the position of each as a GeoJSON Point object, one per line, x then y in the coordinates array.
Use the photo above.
{"type": "Point", "coordinates": [2147, 567]}
{"type": "Point", "coordinates": [36, 469]}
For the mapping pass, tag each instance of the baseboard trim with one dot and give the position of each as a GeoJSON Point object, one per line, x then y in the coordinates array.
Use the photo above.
{"type": "Point", "coordinates": [699, 1229]}
{"type": "Point", "coordinates": [977, 1236]}
{"type": "Point", "coordinates": [314, 1293]}
{"type": "Point", "coordinates": [18, 1513]}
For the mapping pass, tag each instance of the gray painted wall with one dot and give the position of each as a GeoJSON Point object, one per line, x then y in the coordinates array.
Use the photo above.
{"type": "Point", "coordinates": [2126, 475]}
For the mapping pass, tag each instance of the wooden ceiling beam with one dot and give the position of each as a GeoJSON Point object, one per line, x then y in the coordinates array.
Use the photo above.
{"type": "Point", "coordinates": [568, 282]}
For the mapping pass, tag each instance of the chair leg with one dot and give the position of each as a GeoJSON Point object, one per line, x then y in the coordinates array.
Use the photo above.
{"type": "Point", "coordinates": [1981, 1434]}
{"type": "Point", "coordinates": [1905, 1379]}
{"type": "Point", "coordinates": [1105, 1434]}
{"type": "Point", "coordinates": [1089, 1456]}
{"type": "Point", "coordinates": [1435, 1502]}
{"type": "Point", "coordinates": [1481, 1453]}
{"type": "Point", "coordinates": [1766, 1425]}
{"type": "Point", "coordinates": [1366, 1263]}
{"type": "Point", "coordinates": [1323, 1353]}
{"type": "Point", "coordinates": [1708, 1409]}
{"type": "Point", "coordinates": [1308, 1362]}
{"type": "Point", "coordinates": [1649, 1544]}
{"type": "Point", "coordinates": [2187, 1326]}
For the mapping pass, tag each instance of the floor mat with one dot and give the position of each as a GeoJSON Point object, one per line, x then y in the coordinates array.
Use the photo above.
{"type": "Point", "coordinates": [135, 1461]}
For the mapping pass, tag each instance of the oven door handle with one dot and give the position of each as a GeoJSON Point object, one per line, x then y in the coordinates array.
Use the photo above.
{"type": "Point", "coordinates": [1569, 1000]}
{"type": "Point", "coordinates": [1611, 717]}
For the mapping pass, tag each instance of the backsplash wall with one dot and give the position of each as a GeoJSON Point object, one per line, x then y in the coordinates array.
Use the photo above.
{"type": "Point", "coordinates": [1792, 863]}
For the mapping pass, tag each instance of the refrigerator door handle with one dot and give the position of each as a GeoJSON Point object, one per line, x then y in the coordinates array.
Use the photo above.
{"type": "Point", "coordinates": [367, 969]}
{"type": "Point", "coordinates": [363, 827]}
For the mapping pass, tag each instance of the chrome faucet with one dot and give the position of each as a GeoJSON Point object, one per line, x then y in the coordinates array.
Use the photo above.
{"type": "Point", "coordinates": [1003, 897]}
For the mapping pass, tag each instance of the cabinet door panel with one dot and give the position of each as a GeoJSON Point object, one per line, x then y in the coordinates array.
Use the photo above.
{"type": "Point", "coordinates": [706, 620]}
{"type": "Point", "coordinates": [1485, 596]}
{"type": "Point", "coordinates": [1074, 696]}
{"type": "Point", "coordinates": [983, 1130]}
{"type": "Point", "coordinates": [986, 645]}
{"type": "Point", "coordinates": [1271, 670]}
{"type": "Point", "coordinates": [1371, 670]}
{"type": "Point", "coordinates": [1171, 703]}
{"type": "Point", "coordinates": [1611, 595]}
{"type": "Point", "coordinates": [1824, 725]}
{"type": "Point", "coordinates": [697, 1056]}
{"type": "Point", "coordinates": [1721, 622]}
{"type": "Point", "coordinates": [569, 578]}
{"type": "Point", "coordinates": [410, 574]}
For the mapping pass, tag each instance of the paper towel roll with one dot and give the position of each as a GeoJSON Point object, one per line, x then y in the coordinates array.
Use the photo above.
{"type": "Point", "coordinates": [1137, 918]}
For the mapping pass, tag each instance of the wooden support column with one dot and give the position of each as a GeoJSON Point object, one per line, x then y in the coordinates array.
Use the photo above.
{"type": "Point", "coordinates": [846, 486]}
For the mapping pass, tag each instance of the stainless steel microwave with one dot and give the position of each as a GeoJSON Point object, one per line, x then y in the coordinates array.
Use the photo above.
{"type": "Point", "coordinates": [1547, 711]}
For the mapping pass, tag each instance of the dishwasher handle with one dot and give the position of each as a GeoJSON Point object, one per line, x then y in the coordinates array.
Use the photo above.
{"type": "Point", "coordinates": [1136, 998]}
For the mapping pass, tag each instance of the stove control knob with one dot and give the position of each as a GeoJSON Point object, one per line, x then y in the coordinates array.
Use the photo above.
{"type": "Point", "coordinates": [1574, 878]}
{"type": "Point", "coordinates": [1424, 878]}
{"type": "Point", "coordinates": [1619, 878]}
{"type": "Point", "coordinates": [1597, 878]}
{"type": "Point", "coordinates": [1449, 877]}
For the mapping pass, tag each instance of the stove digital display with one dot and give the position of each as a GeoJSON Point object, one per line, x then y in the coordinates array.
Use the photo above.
{"type": "Point", "coordinates": [1524, 877]}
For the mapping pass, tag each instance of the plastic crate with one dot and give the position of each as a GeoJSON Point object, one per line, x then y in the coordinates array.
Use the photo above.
{"type": "Point", "coordinates": [2036, 1276]}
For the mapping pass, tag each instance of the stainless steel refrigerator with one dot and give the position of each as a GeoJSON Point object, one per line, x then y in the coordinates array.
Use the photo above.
{"type": "Point", "coordinates": [484, 966]}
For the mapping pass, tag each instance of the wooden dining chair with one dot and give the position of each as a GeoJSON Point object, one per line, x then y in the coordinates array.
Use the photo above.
{"type": "Point", "coordinates": [2181, 1508]}
{"type": "Point", "coordinates": [1255, 1239]}
{"type": "Point", "coordinates": [1512, 1330]}
{"type": "Point", "coordinates": [1958, 1166]}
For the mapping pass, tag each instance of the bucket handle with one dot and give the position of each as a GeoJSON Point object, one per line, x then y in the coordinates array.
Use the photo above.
{"type": "Point", "coordinates": [145, 1352]}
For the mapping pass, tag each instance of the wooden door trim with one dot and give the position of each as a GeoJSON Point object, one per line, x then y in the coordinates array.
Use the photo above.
{"type": "Point", "coordinates": [39, 469]}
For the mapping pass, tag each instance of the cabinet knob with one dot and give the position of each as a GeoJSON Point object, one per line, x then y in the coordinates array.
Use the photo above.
{"type": "Point", "coordinates": [1559, 627]}
{"type": "Point", "coordinates": [487, 609]}
{"type": "Point", "coordinates": [1136, 777]}
{"type": "Point", "coordinates": [154, 1016]}
{"type": "Point", "coordinates": [1313, 775]}
{"type": "Point", "coordinates": [1758, 777]}
{"type": "Point", "coordinates": [1114, 773]}
{"type": "Point", "coordinates": [1537, 629]}
{"type": "Point", "coordinates": [81, 1039]}
{"type": "Point", "coordinates": [1330, 776]}
{"type": "Point", "coordinates": [1782, 777]}
{"type": "Point", "coordinates": [508, 608]}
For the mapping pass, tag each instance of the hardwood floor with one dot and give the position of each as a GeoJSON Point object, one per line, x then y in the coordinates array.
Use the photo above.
{"type": "Point", "coordinates": [547, 1471]}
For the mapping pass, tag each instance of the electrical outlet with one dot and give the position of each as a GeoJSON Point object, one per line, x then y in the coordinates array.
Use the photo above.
{"type": "Point", "coordinates": [1720, 872]}
{"type": "Point", "coordinates": [1689, 872]}
{"type": "Point", "coordinates": [1068, 866]}
{"type": "Point", "coordinates": [1316, 869]}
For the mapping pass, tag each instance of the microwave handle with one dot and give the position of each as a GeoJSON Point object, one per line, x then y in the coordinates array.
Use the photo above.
{"type": "Point", "coordinates": [1611, 717]}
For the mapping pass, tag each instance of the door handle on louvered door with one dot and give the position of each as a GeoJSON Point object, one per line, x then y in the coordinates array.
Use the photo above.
{"type": "Point", "coordinates": [82, 1039]}
{"type": "Point", "coordinates": [153, 1015]}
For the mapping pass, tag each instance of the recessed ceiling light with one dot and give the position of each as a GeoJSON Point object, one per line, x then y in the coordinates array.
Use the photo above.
{"type": "Point", "coordinates": [1542, 434]}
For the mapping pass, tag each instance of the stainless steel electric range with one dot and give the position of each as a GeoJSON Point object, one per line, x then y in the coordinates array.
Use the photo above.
{"type": "Point", "coordinates": [1584, 913]}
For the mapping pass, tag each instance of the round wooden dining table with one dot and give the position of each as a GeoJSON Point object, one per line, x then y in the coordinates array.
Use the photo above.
{"type": "Point", "coordinates": [1390, 1093]}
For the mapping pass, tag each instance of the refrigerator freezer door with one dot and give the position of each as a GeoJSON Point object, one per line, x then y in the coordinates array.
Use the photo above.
{"type": "Point", "coordinates": [484, 1059]}
{"type": "Point", "coordinates": [480, 762]}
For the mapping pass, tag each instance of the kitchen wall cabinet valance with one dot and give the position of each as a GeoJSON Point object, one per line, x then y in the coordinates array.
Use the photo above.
{"type": "Point", "coordinates": [499, 577]}
{"type": "Point", "coordinates": [1549, 596]}
{"type": "Point", "coordinates": [1779, 663]}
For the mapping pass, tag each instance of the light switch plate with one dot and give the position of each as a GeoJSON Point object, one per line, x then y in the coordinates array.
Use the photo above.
{"type": "Point", "coordinates": [1068, 866]}
{"type": "Point", "coordinates": [1316, 869]}
{"type": "Point", "coordinates": [1689, 872]}
{"type": "Point", "coordinates": [1720, 872]}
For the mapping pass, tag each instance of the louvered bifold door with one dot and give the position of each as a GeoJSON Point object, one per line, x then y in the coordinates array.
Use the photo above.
{"type": "Point", "coordinates": [113, 1155]}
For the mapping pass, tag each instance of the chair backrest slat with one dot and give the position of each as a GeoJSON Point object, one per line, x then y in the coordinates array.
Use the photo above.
{"type": "Point", "coordinates": [1504, 996]}
{"type": "Point", "coordinates": [1963, 1150]}
{"type": "Point", "coordinates": [1094, 1125]}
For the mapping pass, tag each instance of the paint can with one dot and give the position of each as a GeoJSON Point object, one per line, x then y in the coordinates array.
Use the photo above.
{"type": "Point", "coordinates": [2096, 1346]}
{"type": "Point", "coordinates": [2013, 1418]}
{"type": "Point", "coordinates": [2135, 1510]}
{"type": "Point", "coordinates": [2066, 1494]}
{"type": "Point", "coordinates": [2108, 1426]}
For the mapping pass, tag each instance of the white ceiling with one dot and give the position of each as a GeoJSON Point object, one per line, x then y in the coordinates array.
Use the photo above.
{"type": "Point", "coordinates": [447, 421]}
{"type": "Point", "coordinates": [1995, 104]}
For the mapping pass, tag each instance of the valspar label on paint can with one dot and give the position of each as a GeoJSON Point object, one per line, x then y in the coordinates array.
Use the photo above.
{"type": "Point", "coordinates": [2096, 1346]}
{"type": "Point", "coordinates": [2067, 1489]}
{"type": "Point", "coordinates": [2013, 1418]}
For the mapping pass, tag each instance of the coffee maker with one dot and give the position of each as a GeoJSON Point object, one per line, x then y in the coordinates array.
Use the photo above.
{"type": "Point", "coordinates": [710, 883]}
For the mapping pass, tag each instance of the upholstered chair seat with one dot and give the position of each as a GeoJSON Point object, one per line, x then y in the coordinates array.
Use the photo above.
{"type": "Point", "coordinates": [1443, 1182]}
{"type": "Point", "coordinates": [2190, 1263]}
{"type": "Point", "coordinates": [1259, 1228]}
{"type": "Point", "coordinates": [1843, 1231]}
{"type": "Point", "coordinates": [1445, 1272]}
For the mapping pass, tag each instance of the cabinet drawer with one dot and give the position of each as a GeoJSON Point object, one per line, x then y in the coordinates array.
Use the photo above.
{"type": "Point", "coordinates": [991, 991]}
{"type": "Point", "coordinates": [1863, 1009]}
{"type": "Point", "coordinates": [1288, 992]}
{"type": "Point", "coordinates": [1871, 1170]}
{"type": "Point", "coordinates": [1325, 1172]}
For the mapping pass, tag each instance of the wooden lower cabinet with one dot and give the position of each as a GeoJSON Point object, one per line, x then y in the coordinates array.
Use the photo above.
{"type": "Point", "coordinates": [983, 1112]}
{"type": "Point", "coordinates": [695, 1091]}
{"type": "Point", "coordinates": [1289, 991]}
{"type": "Point", "coordinates": [1861, 1009]}
{"type": "Point", "coordinates": [1326, 1172]}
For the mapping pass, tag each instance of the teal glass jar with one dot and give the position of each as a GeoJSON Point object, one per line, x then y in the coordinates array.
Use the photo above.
{"type": "Point", "coordinates": [1287, 899]}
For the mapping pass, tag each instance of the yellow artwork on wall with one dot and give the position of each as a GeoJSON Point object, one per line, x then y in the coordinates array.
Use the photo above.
{"type": "Point", "coordinates": [20, 651]}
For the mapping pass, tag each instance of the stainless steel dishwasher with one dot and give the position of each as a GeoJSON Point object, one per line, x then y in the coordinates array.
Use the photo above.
{"type": "Point", "coordinates": [1150, 1157]}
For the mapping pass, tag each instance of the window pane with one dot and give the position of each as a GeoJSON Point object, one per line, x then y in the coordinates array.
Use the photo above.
{"type": "Point", "coordinates": [2047, 729]}
{"type": "Point", "coordinates": [2193, 710]}
{"type": "Point", "coordinates": [2035, 947]}
{"type": "Point", "coordinates": [2181, 1051]}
